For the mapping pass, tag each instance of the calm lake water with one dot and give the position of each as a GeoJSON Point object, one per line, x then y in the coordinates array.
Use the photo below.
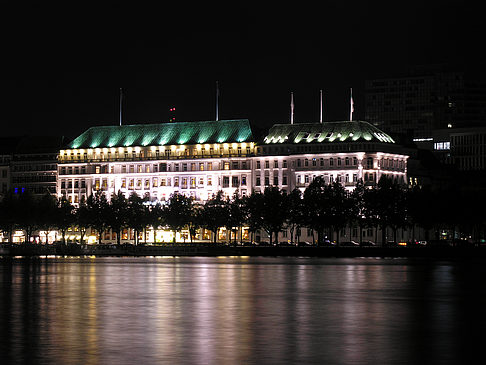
{"type": "Point", "coordinates": [241, 310]}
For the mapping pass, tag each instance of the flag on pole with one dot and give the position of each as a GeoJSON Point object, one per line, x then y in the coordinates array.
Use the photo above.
{"type": "Point", "coordinates": [351, 109]}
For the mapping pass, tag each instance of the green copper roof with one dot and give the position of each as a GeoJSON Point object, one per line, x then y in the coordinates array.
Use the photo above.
{"type": "Point", "coordinates": [349, 131]}
{"type": "Point", "coordinates": [179, 133]}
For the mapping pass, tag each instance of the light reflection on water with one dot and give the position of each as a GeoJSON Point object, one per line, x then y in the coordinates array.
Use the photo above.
{"type": "Point", "coordinates": [239, 311]}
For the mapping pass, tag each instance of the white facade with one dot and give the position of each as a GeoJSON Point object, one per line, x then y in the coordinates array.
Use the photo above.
{"type": "Point", "coordinates": [289, 158]}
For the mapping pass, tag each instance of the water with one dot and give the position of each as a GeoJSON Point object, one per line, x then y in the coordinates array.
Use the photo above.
{"type": "Point", "coordinates": [238, 310]}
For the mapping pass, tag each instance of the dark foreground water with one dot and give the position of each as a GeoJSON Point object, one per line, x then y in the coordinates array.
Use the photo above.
{"type": "Point", "coordinates": [241, 311]}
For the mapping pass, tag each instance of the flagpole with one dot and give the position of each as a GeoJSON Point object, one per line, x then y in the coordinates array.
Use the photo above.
{"type": "Point", "coordinates": [291, 108]}
{"type": "Point", "coordinates": [320, 115]}
{"type": "Point", "coordinates": [351, 108]}
{"type": "Point", "coordinates": [217, 101]}
{"type": "Point", "coordinates": [121, 100]}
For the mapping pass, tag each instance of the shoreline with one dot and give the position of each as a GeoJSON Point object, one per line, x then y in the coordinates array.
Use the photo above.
{"type": "Point", "coordinates": [446, 252]}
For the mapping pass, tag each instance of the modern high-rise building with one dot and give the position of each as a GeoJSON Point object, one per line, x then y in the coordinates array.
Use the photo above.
{"type": "Point", "coordinates": [413, 105]}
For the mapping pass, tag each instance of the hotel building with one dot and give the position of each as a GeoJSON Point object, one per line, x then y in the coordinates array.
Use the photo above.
{"type": "Point", "coordinates": [198, 159]}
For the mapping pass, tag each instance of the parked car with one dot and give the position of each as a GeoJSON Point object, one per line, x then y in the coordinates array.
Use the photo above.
{"type": "Point", "coordinates": [349, 244]}
{"type": "Point", "coordinates": [304, 244]}
{"type": "Point", "coordinates": [368, 244]}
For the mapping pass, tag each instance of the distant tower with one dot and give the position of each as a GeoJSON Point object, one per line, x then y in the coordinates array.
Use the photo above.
{"type": "Point", "coordinates": [291, 108]}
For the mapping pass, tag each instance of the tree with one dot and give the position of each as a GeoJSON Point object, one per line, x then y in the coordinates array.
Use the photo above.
{"type": "Point", "coordinates": [156, 217]}
{"type": "Point", "coordinates": [138, 214]}
{"type": "Point", "coordinates": [391, 206]}
{"type": "Point", "coordinates": [47, 213]}
{"type": "Point", "coordinates": [254, 212]}
{"type": "Point", "coordinates": [336, 206]}
{"type": "Point", "coordinates": [178, 212]}
{"type": "Point", "coordinates": [236, 214]}
{"type": "Point", "coordinates": [295, 217]}
{"type": "Point", "coordinates": [357, 212]}
{"type": "Point", "coordinates": [97, 207]}
{"type": "Point", "coordinates": [274, 211]}
{"type": "Point", "coordinates": [26, 214]}
{"type": "Point", "coordinates": [117, 217]}
{"type": "Point", "coordinates": [214, 214]}
{"type": "Point", "coordinates": [8, 205]}
{"type": "Point", "coordinates": [194, 221]}
{"type": "Point", "coordinates": [82, 218]}
{"type": "Point", "coordinates": [315, 210]}
{"type": "Point", "coordinates": [64, 217]}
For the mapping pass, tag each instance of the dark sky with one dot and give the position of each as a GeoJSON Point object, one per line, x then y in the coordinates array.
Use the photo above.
{"type": "Point", "coordinates": [62, 67]}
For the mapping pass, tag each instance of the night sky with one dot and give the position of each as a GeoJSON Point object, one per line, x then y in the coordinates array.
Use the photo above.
{"type": "Point", "coordinates": [62, 67]}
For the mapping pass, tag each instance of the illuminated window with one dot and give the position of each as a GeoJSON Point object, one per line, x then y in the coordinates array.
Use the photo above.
{"type": "Point", "coordinates": [147, 168]}
{"type": "Point", "coordinates": [176, 181]}
{"type": "Point", "coordinates": [162, 182]}
{"type": "Point", "coordinates": [201, 166]}
{"type": "Point", "coordinates": [226, 165]}
{"type": "Point", "coordinates": [124, 183]}
{"type": "Point", "coordinates": [97, 169]}
{"type": "Point", "coordinates": [193, 166]}
{"type": "Point", "coordinates": [130, 184]}
{"type": "Point", "coordinates": [440, 146]}
{"type": "Point", "coordinates": [193, 182]}
{"type": "Point", "coordinates": [209, 181]}
{"type": "Point", "coordinates": [210, 166]}
{"type": "Point", "coordinates": [147, 184]}
{"type": "Point", "coordinates": [155, 182]}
